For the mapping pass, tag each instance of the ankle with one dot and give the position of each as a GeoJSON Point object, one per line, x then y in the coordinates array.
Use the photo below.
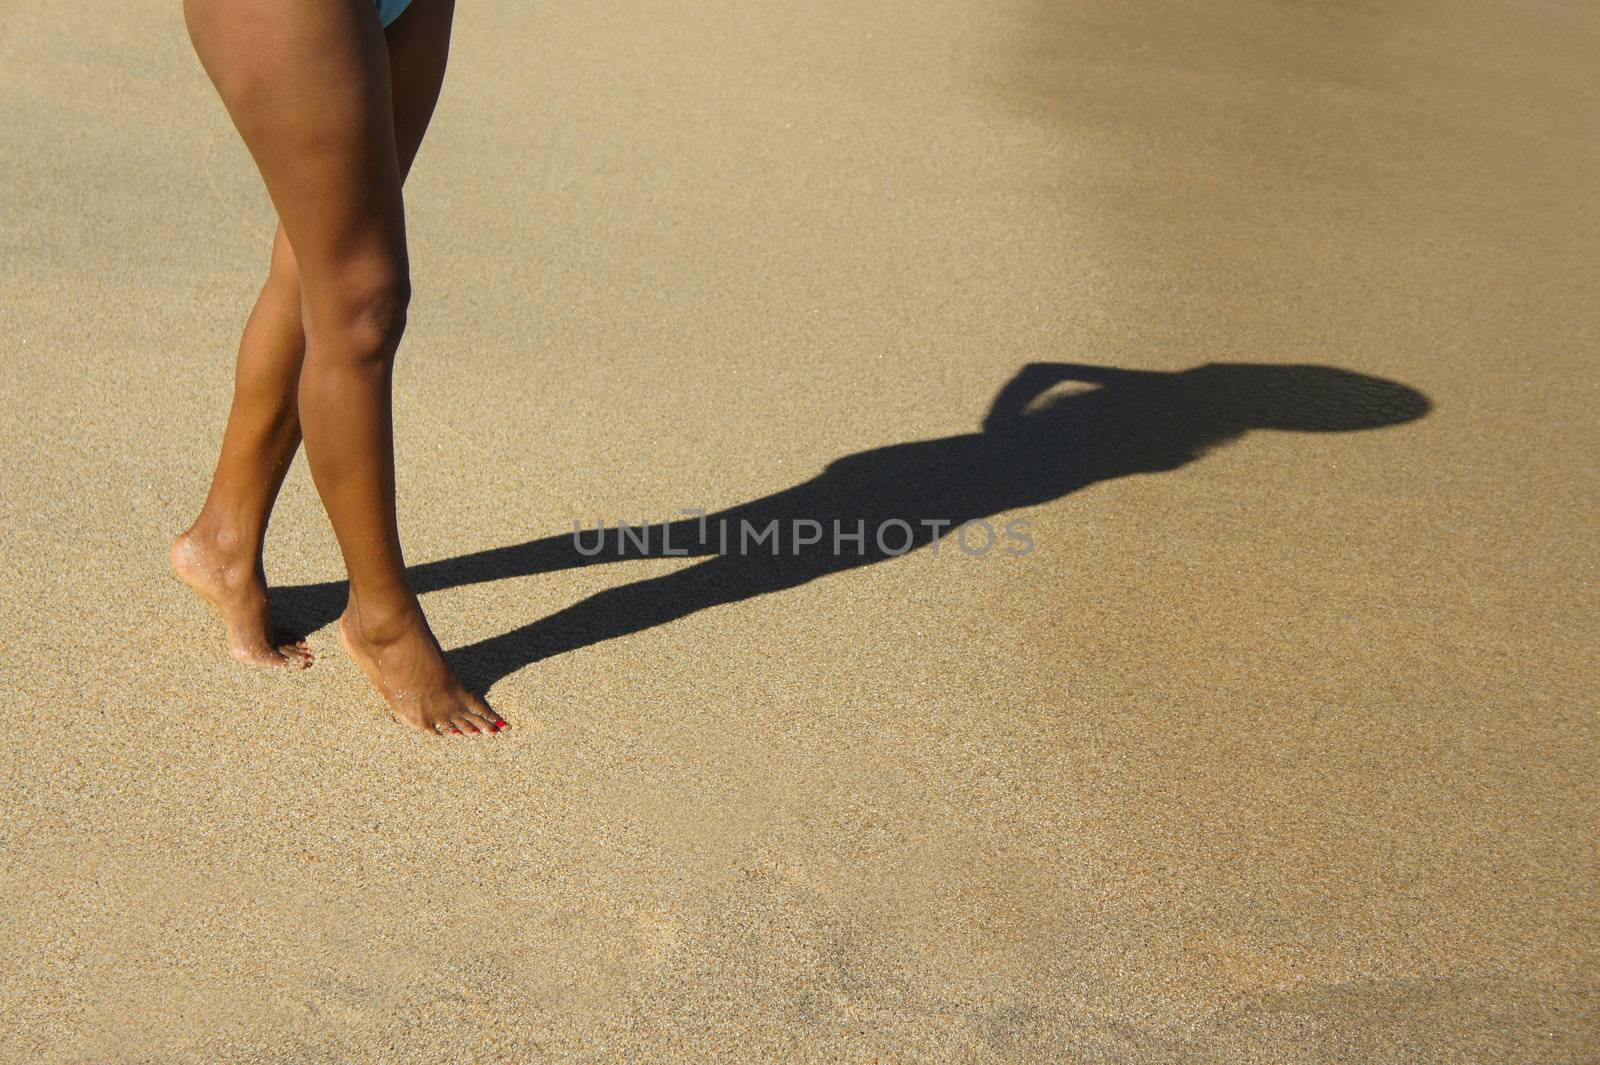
{"type": "Point", "coordinates": [230, 540]}
{"type": "Point", "coordinates": [380, 626]}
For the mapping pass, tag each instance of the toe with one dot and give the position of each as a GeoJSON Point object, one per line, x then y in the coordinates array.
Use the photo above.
{"type": "Point", "coordinates": [265, 656]}
{"type": "Point", "coordinates": [479, 708]}
{"type": "Point", "coordinates": [297, 657]}
{"type": "Point", "coordinates": [472, 726]}
{"type": "Point", "coordinates": [480, 715]}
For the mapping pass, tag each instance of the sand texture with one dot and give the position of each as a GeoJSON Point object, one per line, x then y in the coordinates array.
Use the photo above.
{"type": "Point", "coordinates": [1279, 746]}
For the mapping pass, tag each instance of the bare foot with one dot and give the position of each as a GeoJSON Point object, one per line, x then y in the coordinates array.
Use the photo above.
{"type": "Point", "coordinates": [236, 586]}
{"type": "Point", "coordinates": [404, 662]}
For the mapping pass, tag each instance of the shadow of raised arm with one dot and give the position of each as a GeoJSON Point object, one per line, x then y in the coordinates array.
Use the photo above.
{"type": "Point", "coordinates": [1037, 378]}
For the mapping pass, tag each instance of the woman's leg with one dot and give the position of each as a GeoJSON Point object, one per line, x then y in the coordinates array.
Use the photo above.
{"type": "Point", "coordinates": [220, 555]}
{"type": "Point", "coordinates": [307, 83]}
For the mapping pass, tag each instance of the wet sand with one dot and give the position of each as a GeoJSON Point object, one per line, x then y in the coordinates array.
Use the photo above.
{"type": "Point", "coordinates": [1280, 745]}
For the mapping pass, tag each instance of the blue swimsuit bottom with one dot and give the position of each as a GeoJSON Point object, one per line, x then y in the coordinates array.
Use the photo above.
{"type": "Point", "coordinates": [389, 10]}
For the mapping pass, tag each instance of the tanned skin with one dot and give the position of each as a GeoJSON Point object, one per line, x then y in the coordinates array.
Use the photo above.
{"type": "Point", "coordinates": [332, 107]}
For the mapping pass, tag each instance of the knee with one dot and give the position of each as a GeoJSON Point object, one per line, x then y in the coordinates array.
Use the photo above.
{"type": "Point", "coordinates": [283, 270]}
{"type": "Point", "coordinates": [364, 310]}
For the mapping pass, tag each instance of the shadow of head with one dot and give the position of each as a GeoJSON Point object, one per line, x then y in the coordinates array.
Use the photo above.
{"type": "Point", "coordinates": [1303, 399]}
{"type": "Point", "coordinates": [1105, 422]}
{"type": "Point", "coordinates": [1215, 399]}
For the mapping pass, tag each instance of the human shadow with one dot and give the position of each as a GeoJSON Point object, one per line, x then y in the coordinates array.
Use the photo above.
{"type": "Point", "coordinates": [1038, 443]}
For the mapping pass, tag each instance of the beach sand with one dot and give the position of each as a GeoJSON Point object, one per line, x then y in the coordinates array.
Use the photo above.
{"type": "Point", "coordinates": [1284, 752]}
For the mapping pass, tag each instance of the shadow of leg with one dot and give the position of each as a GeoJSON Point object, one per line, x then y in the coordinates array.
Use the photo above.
{"type": "Point", "coordinates": [635, 607]}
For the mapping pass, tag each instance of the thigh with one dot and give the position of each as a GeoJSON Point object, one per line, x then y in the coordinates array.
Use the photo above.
{"type": "Point", "coordinates": [419, 46]}
{"type": "Point", "coordinates": [307, 84]}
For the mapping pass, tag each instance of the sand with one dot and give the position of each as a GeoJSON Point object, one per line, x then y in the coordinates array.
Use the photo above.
{"type": "Point", "coordinates": [1280, 751]}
